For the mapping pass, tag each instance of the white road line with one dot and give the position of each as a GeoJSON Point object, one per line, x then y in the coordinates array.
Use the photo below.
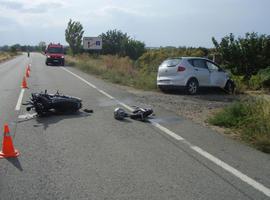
{"type": "Point", "coordinates": [260, 187]}
{"type": "Point", "coordinates": [124, 105]}
{"type": "Point", "coordinates": [19, 102]}
{"type": "Point", "coordinates": [105, 93]}
{"type": "Point", "coordinates": [90, 84]}
{"type": "Point", "coordinates": [232, 170]}
{"type": "Point", "coordinates": [169, 132]}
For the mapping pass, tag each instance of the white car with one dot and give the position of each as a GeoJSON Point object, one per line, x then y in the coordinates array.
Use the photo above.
{"type": "Point", "coordinates": [191, 73]}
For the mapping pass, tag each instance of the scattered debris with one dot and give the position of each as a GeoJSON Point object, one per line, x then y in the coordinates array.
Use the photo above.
{"type": "Point", "coordinates": [88, 110]}
{"type": "Point", "coordinates": [27, 116]}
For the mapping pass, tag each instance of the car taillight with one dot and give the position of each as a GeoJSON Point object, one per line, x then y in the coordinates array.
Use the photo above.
{"type": "Point", "coordinates": [181, 69]}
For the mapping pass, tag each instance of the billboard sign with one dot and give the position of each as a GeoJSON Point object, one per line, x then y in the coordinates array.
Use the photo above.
{"type": "Point", "coordinates": [92, 43]}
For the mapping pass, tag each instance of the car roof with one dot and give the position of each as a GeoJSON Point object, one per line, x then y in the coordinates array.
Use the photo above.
{"type": "Point", "coordinates": [55, 45]}
{"type": "Point", "coordinates": [189, 57]}
{"type": "Point", "coordinates": [195, 58]}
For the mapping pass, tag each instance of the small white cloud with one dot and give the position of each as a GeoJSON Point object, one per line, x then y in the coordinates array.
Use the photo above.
{"type": "Point", "coordinates": [108, 11]}
{"type": "Point", "coordinates": [43, 7]}
{"type": "Point", "coordinates": [37, 6]}
{"type": "Point", "coordinates": [11, 5]}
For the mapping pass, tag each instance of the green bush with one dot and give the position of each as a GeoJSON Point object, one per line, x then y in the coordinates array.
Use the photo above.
{"type": "Point", "coordinates": [264, 75]}
{"type": "Point", "coordinates": [260, 80]}
{"type": "Point", "coordinates": [232, 116]}
{"type": "Point", "coordinates": [151, 59]}
{"type": "Point", "coordinates": [240, 84]}
{"type": "Point", "coordinates": [250, 118]}
{"type": "Point", "coordinates": [255, 82]}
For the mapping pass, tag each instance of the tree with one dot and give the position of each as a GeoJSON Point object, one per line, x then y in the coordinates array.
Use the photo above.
{"type": "Point", "coordinates": [13, 49]}
{"type": "Point", "coordinates": [4, 48]}
{"type": "Point", "coordinates": [74, 33]}
{"type": "Point", "coordinates": [134, 49]}
{"type": "Point", "coordinates": [42, 46]}
{"type": "Point", "coordinates": [244, 55]}
{"type": "Point", "coordinates": [115, 42]}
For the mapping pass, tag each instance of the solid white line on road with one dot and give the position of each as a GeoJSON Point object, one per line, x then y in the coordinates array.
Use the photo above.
{"type": "Point", "coordinates": [105, 93]}
{"type": "Point", "coordinates": [232, 170]}
{"type": "Point", "coordinates": [260, 187]}
{"type": "Point", "coordinates": [169, 132]}
{"type": "Point", "coordinates": [90, 84]}
{"type": "Point", "coordinates": [124, 105]}
{"type": "Point", "coordinates": [19, 102]}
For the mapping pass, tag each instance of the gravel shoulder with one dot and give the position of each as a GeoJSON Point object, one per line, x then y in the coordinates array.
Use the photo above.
{"type": "Point", "coordinates": [197, 108]}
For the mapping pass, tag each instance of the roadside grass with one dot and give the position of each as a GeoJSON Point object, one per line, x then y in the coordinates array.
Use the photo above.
{"type": "Point", "coordinates": [6, 55]}
{"type": "Point", "coordinates": [121, 70]}
{"type": "Point", "coordinates": [249, 119]}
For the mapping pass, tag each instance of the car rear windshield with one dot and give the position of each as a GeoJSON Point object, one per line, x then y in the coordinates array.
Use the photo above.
{"type": "Point", "coordinates": [171, 62]}
{"type": "Point", "coordinates": [55, 50]}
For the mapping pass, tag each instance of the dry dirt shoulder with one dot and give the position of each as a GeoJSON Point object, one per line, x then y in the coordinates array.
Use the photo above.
{"type": "Point", "coordinates": [197, 108]}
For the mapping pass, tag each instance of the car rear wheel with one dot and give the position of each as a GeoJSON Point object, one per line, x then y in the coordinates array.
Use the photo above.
{"type": "Point", "coordinates": [192, 86]}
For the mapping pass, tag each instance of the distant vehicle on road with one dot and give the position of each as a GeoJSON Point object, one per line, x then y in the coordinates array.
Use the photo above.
{"type": "Point", "coordinates": [190, 73]}
{"type": "Point", "coordinates": [55, 54]}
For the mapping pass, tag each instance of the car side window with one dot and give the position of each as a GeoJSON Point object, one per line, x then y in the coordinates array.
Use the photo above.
{"type": "Point", "coordinates": [199, 63]}
{"type": "Point", "coordinates": [212, 66]}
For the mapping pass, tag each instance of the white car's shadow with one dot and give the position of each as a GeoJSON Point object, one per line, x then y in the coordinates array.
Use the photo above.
{"type": "Point", "coordinates": [208, 94]}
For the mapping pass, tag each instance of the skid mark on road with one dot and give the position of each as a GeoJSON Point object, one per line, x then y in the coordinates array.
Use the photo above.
{"type": "Point", "coordinates": [256, 185]}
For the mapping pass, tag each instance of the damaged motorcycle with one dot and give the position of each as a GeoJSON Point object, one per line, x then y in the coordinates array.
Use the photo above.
{"type": "Point", "coordinates": [44, 103]}
{"type": "Point", "coordinates": [141, 114]}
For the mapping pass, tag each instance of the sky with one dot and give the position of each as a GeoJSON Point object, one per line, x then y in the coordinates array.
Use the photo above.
{"type": "Point", "coordinates": [155, 22]}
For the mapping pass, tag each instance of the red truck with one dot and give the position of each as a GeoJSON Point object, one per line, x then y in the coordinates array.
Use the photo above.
{"type": "Point", "coordinates": [55, 54]}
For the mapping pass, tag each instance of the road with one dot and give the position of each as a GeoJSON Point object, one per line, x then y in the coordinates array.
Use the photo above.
{"type": "Point", "coordinates": [93, 156]}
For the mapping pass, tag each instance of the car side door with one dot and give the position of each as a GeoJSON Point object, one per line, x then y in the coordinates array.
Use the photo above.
{"type": "Point", "coordinates": [201, 71]}
{"type": "Point", "coordinates": [218, 77]}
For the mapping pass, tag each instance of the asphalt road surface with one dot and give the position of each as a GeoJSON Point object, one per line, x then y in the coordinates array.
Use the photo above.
{"type": "Point", "coordinates": [94, 156]}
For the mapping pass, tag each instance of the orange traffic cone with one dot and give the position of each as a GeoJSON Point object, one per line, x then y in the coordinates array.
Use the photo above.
{"type": "Point", "coordinates": [24, 83]}
{"type": "Point", "coordinates": [8, 149]}
{"type": "Point", "coordinates": [27, 73]}
{"type": "Point", "coordinates": [28, 68]}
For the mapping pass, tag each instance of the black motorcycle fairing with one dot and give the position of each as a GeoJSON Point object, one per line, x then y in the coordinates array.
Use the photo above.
{"type": "Point", "coordinates": [141, 113]}
{"type": "Point", "coordinates": [44, 103]}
